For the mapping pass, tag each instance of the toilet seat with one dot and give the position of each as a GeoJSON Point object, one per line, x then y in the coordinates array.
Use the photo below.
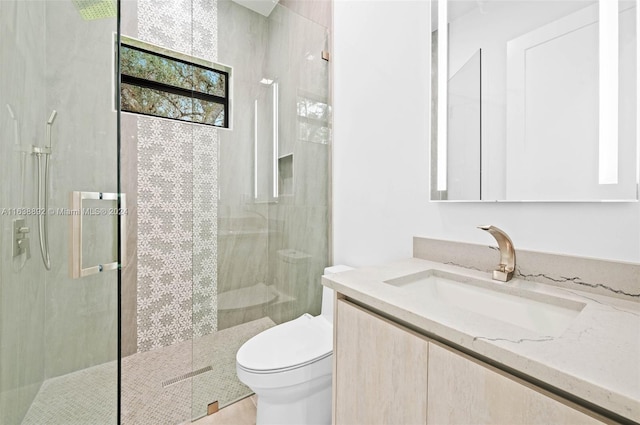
{"type": "Point", "coordinates": [288, 346]}
{"type": "Point", "coordinates": [290, 366]}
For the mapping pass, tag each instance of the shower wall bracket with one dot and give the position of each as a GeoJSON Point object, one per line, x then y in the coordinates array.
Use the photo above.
{"type": "Point", "coordinates": [41, 151]}
{"type": "Point", "coordinates": [76, 269]}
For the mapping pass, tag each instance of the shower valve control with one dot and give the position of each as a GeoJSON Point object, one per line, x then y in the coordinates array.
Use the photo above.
{"type": "Point", "coordinates": [20, 241]}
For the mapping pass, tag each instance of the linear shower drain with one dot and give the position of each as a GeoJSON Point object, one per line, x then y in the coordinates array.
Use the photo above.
{"type": "Point", "coordinates": [185, 376]}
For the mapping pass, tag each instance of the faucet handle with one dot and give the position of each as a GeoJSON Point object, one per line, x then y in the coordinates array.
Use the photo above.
{"type": "Point", "coordinates": [24, 247]}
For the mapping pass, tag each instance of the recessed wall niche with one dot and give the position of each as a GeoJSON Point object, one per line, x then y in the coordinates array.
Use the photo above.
{"type": "Point", "coordinates": [285, 175]}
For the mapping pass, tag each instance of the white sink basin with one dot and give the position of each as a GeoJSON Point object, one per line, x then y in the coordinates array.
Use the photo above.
{"type": "Point", "coordinates": [546, 315]}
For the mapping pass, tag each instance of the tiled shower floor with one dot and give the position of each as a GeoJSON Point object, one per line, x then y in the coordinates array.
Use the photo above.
{"type": "Point", "coordinates": [88, 397]}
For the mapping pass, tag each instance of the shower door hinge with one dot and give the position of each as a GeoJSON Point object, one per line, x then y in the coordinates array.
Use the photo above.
{"type": "Point", "coordinates": [212, 408]}
{"type": "Point", "coordinates": [325, 55]}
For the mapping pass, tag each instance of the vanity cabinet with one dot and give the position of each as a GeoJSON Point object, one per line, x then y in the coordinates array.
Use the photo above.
{"type": "Point", "coordinates": [388, 374]}
{"type": "Point", "coordinates": [464, 391]}
{"type": "Point", "coordinates": [380, 370]}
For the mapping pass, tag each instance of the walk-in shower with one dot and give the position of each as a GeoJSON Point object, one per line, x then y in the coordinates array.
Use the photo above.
{"type": "Point", "coordinates": [250, 236]}
{"type": "Point", "coordinates": [224, 232]}
{"type": "Point", "coordinates": [59, 135]}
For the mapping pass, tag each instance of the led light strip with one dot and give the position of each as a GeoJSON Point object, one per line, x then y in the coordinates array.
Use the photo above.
{"type": "Point", "coordinates": [255, 149]}
{"type": "Point", "coordinates": [275, 140]}
{"type": "Point", "coordinates": [608, 129]}
{"type": "Point", "coordinates": [443, 105]}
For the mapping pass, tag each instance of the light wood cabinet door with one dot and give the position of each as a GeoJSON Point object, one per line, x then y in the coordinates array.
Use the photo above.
{"type": "Point", "coordinates": [463, 391]}
{"type": "Point", "coordinates": [380, 370]}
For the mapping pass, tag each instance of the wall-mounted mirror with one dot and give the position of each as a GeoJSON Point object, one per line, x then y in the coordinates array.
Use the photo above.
{"type": "Point", "coordinates": [535, 100]}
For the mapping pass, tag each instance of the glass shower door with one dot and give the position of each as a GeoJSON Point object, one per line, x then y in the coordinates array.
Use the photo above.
{"type": "Point", "coordinates": [58, 126]}
{"type": "Point", "coordinates": [270, 190]}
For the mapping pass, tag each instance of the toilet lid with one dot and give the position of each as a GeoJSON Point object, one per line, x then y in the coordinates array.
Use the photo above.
{"type": "Point", "coordinates": [288, 345]}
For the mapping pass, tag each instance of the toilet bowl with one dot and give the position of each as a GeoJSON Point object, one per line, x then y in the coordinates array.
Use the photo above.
{"type": "Point", "coordinates": [289, 367]}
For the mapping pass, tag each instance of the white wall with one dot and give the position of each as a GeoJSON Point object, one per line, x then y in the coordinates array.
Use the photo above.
{"type": "Point", "coordinates": [380, 175]}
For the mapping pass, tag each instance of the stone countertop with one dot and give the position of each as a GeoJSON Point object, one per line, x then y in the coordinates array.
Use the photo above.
{"type": "Point", "coordinates": [597, 358]}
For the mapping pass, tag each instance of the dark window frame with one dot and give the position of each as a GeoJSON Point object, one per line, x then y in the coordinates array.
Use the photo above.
{"type": "Point", "coordinates": [155, 85]}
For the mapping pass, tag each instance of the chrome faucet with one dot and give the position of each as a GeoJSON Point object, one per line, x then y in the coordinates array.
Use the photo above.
{"type": "Point", "coordinates": [507, 265]}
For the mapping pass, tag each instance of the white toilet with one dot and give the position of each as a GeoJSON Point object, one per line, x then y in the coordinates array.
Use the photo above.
{"type": "Point", "coordinates": [289, 367]}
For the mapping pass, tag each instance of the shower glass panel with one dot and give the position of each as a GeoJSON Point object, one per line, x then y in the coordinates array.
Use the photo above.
{"type": "Point", "coordinates": [58, 335]}
{"type": "Point", "coordinates": [211, 263]}
{"type": "Point", "coordinates": [269, 193]}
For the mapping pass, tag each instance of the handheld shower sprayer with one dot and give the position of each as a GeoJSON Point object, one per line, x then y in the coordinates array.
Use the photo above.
{"type": "Point", "coordinates": [50, 121]}
{"type": "Point", "coordinates": [43, 196]}
{"type": "Point", "coordinates": [16, 136]}
{"type": "Point", "coordinates": [52, 117]}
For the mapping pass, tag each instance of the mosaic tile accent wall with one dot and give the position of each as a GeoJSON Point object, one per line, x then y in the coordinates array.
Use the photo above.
{"type": "Point", "coordinates": [164, 232]}
{"type": "Point", "coordinates": [205, 230]}
{"type": "Point", "coordinates": [177, 193]}
{"type": "Point", "coordinates": [205, 29]}
{"type": "Point", "coordinates": [205, 185]}
{"type": "Point", "coordinates": [166, 23]}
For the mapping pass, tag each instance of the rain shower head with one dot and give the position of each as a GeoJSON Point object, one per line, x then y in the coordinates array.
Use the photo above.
{"type": "Point", "coordinates": [96, 9]}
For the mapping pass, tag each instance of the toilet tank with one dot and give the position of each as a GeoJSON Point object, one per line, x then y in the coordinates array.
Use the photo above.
{"type": "Point", "coordinates": [327, 293]}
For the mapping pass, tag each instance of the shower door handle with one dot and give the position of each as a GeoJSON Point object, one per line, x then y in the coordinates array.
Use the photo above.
{"type": "Point", "coordinates": [77, 211]}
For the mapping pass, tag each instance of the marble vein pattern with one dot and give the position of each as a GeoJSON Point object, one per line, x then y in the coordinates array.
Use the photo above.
{"type": "Point", "coordinates": [602, 277]}
{"type": "Point", "coordinates": [515, 341]}
{"type": "Point", "coordinates": [595, 357]}
{"type": "Point", "coordinates": [576, 280]}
